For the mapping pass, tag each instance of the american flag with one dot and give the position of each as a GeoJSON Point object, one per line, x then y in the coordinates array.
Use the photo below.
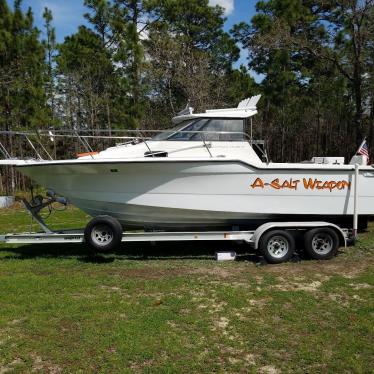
{"type": "Point", "coordinates": [363, 149]}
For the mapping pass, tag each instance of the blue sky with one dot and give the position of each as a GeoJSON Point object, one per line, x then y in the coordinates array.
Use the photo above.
{"type": "Point", "coordinates": [68, 14]}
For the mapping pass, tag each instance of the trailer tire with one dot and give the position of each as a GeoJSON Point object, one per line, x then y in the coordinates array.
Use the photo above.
{"type": "Point", "coordinates": [321, 243]}
{"type": "Point", "coordinates": [277, 246]}
{"type": "Point", "coordinates": [103, 233]}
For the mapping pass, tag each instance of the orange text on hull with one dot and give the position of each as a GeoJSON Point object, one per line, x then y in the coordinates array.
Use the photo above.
{"type": "Point", "coordinates": [307, 184]}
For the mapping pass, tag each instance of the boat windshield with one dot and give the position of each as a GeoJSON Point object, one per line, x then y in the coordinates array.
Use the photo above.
{"type": "Point", "coordinates": [209, 129]}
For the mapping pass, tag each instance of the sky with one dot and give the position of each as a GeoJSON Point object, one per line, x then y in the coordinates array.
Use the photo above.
{"type": "Point", "coordinates": [68, 15]}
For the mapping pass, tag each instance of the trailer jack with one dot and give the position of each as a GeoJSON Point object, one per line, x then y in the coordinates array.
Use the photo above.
{"type": "Point", "coordinates": [38, 202]}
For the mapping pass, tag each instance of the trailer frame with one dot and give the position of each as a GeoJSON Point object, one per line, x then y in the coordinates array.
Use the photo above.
{"type": "Point", "coordinates": [251, 237]}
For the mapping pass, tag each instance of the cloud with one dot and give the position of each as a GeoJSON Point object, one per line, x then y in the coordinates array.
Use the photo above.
{"type": "Point", "coordinates": [228, 5]}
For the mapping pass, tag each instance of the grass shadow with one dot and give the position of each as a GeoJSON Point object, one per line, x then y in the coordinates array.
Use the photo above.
{"type": "Point", "coordinates": [130, 251]}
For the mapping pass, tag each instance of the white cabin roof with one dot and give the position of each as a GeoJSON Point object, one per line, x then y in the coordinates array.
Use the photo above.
{"type": "Point", "coordinates": [246, 108]}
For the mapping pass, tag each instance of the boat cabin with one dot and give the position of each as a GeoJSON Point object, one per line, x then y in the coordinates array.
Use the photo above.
{"type": "Point", "coordinates": [214, 133]}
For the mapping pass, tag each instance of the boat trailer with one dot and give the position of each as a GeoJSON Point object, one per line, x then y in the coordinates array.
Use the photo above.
{"type": "Point", "coordinates": [274, 240]}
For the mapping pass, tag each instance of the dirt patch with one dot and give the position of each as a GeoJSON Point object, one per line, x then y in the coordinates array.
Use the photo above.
{"type": "Point", "coordinates": [216, 307]}
{"type": "Point", "coordinates": [258, 303]}
{"type": "Point", "coordinates": [246, 313]}
{"type": "Point", "coordinates": [142, 365]}
{"type": "Point", "coordinates": [222, 323]}
{"type": "Point", "coordinates": [11, 366]}
{"type": "Point", "coordinates": [110, 288]}
{"type": "Point", "coordinates": [219, 271]}
{"type": "Point", "coordinates": [335, 266]}
{"type": "Point", "coordinates": [309, 287]}
{"type": "Point", "coordinates": [237, 355]}
{"type": "Point", "coordinates": [82, 296]}
{"type": "Point", "coordinates": [171, 324]}
{"type": "Point", "coordinates": [233, 352]}
{"type": "Point", "coordinates": [360, 286]}
{"type": "Point", "coordinates": [151, 273]}
{"type": "Point", "coordinates": [268, 369]}
{"type": "Point", "coordinates": [233, 360]}
{"type": "Point", "coordinates": [39, 365]}
{"type": "Point", "coordinates": [17, 321]}
{"type": "Point", "coordinates": [319, 269]}
{"type": "Point", "coordinates": [233, 284]}
{"type": "Point", "coordinates": [340, 299]}
{"type": "Point", "coordinates": [207, 301]}
{"type": "Point", "coordinates": [250, 359]}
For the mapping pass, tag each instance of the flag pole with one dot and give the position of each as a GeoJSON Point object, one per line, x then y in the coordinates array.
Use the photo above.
{"type": "Point", "coordinates": [355, 202]}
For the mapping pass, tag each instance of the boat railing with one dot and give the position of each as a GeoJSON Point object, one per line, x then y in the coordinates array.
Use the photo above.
{"type": "Point", "coordinates": [89, 139]}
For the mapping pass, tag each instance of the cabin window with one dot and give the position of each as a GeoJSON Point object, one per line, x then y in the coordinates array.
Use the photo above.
{"type": "Point", "coordinates": [222, 130]}
{"type": "Point", "coordinates": [171, 131]}
{"type": "Point", "coordinates": [209, 129]}
{"type": "Point", "coordinates": [188, 132]}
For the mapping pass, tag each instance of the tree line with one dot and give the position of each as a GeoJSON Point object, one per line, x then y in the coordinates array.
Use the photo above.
{"type": "Point", "coordinates": [136, 63]}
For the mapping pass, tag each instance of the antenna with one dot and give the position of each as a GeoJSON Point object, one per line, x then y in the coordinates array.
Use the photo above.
{"type": "Point", "coordinates": [187, 110]}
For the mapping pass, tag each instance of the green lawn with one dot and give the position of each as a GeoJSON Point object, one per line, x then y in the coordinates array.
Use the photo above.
{"type": "Point", "coordinates": [148, 309]}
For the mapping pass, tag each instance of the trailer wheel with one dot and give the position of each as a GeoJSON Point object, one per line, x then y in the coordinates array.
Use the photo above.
{"type": "Point", "coordinates": [321, 243]}
{"type": "Point", "coordinates": [103, 233]}
{"type": "Point", "coordinates": [277, 246]}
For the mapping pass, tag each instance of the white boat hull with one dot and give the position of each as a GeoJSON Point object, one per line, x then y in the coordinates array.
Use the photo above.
{"type": "Point", "coordinates": [176, 193]}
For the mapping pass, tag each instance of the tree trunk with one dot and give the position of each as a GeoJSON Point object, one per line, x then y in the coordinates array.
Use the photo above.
{"type": "Point", "coordinates": [135, 63]}
{"type": "Point", "coordinates": [371, 124]}
{"type": "Point", "coordinates": [358, 102]}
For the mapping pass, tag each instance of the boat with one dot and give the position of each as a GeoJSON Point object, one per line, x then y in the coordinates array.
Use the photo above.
{"type": "Point", "coordinates": [205, 172]}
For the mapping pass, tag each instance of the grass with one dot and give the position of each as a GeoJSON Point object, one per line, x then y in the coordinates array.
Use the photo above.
{"type": "Point", "coordinates": [150, 309]}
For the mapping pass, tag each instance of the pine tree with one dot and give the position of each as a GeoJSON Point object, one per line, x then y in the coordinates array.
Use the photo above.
{"type": "Point", "coordinates": [129, 22]}
{"type": "Point", "coordinates": [50, 48]}
{"type": "Point", "coordinates": [316, 37]}
{"type": "Point", "coordinates": [100, 14]}
{"type": "Point", "coordinates": [189, 55]}
{"type": "Point", "coordinates": [87, 81]}
{"type": "Point", "coordinates": [22, 70]}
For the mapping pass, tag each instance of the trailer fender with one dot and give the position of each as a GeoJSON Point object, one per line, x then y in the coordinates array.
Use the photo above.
{"type": "Point", "coordinates": [260, 231]}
